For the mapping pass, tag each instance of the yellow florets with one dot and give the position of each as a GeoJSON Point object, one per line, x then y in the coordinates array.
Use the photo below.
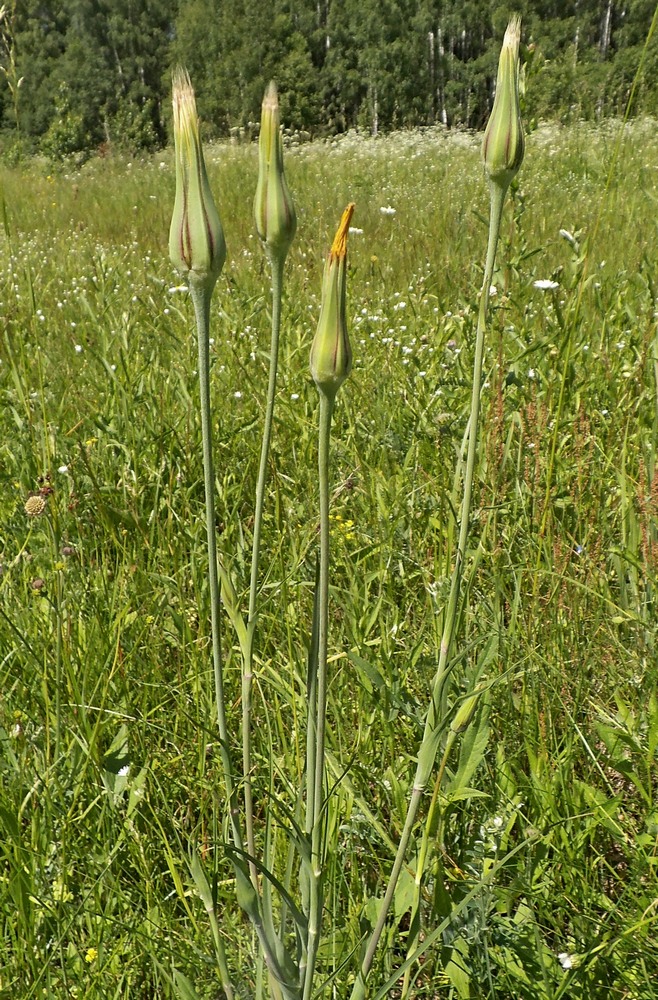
{"type": "Point", "coordinates": [345, 526]}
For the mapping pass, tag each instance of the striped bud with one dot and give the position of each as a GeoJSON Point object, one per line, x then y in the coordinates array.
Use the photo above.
{"type": "Point", "coordinates": [331, 354]}
{"type": "Point", "coordinates": [503, 145]}
{"type": "Point", "coordinates": [196, 238]}
{"type": "Point", "coordinates": [464, 714]}
{"type": "Point", "coordinates": [274, 210]}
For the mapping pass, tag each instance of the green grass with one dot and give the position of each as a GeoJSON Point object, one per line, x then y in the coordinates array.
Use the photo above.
{"type": "Point", "coordinates": [104, 625]}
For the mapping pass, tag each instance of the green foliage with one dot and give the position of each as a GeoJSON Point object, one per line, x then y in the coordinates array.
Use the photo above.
{"type": "Point", "coordinates": [66, 133]}
{"type": "Point", "coordinates": [130, 128]}
{"type": "Point", "coordinates": [107, 876]}
{"type": "Point", "coordinates": [105, 54]}
{"type": "Point", "coordinates": [338, 64]}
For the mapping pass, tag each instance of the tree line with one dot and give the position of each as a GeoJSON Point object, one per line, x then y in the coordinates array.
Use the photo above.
{"type": "Point", "coordinates": [94, 74]}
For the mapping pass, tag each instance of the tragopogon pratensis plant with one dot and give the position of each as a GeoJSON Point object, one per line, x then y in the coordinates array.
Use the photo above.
{"type": "Point", "coordinates": [276, 222]}
{"type": "Point", "coordinates": [502, 152]}
{"type": "Point", "coordinates": [330, 363]}
{"type": "Point", "coordinates": [197, 249]}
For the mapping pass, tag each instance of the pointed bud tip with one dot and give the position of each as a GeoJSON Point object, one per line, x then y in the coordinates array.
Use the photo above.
{"type": "Point", "coordinates": [503, 144]}
{"type": "Point", "coordinates": [182, 94]}
{"type": "Point", "coordinates": [331, 353]}
{"type": "Point", "coordinates": [513, 33]}
{"type": "Point", "coordinates": [180, 79]}
{"type": "Point", "coordinates": [271, 98]}
{"type": "Point", "coordinates": [186, 120]}
{"type": "Point", "coordinates": [274, 210]}
{"type": "Point", "coordinates": [339, 246]}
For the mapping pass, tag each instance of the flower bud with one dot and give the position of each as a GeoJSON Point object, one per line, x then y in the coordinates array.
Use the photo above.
{"type": "Point", "coordinates": [503, 145]}
{"type": "Point", "coordinates": [196, 238]}
{"type": "Point", "coordinates": [464, 715]}
{"type": "Point", "coordinates": [273, 207]}
{"type": "Point", "coordinates": [331, 354]}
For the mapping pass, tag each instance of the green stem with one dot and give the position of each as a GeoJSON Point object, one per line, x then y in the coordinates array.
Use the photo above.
{"type": "Point", "coordinates": [201, 301]}
{"type": "Point", "coordinates": [252, 905]}
{"type": "Point", "coordinates": [654, 437]}
{"type": "Point", "coordinates": [413, 941]}
{"type": "Point", "coordinates": [315, 792]}
{"type": "Point", "coordinates": [311, 750]}
{"type": "Point", "coordinates": [277, 263]}
{"type": "Point", "coordinates": [429, 746]}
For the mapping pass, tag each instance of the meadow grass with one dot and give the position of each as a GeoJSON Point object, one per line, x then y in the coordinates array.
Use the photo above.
{"type": "Point", "coordinates": [104, 632]}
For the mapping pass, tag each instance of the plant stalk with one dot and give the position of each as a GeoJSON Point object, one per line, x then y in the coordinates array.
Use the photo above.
{"type": "Point", "coordinates": [412, 943]}
{"type": "Point", "coordinates": [201, 300]}
{"type": "Point", "coordinates": [277, 263]}
{"type": "Point", "coordinates": [315, 791]}
{"type": "Point", "coordinates": [429, 746]}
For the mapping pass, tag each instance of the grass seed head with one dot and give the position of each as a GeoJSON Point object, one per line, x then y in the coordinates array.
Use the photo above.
{"type": "Point", "coordinates": [331, 353]}
{"type": "Point", "coordinates": [503, 146]}
{"type": "Point", "coordinates": [274, 210]}
{"type": "Point", "coordinates": [196, 238]}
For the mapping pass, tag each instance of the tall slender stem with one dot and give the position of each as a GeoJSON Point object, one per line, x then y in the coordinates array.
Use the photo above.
{"type": "Point", "coordinates": [654, 441]}
{"type": "Point", "coordinates": [315, 791]}
{"type": "Point", "coordinates": [201, 301]}
{"type": "Point", "coordinates": [420, 867]}
{"type": "Point", "coordinates": [277, 262]}
{"type": "Point", "coordinates": [429, 746]}
{"type": "Point", "coordinates": [311, 750]}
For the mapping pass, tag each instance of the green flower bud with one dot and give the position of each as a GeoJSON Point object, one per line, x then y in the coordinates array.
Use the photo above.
{"type": "Point", "coordinates": [273, 207]}
{"type": "Point", "coordinates": [196, 238]}
{"type": "Point", "coordinates": [331, 354]}
{"type": "Point", "coordinates": [503, 145]}
{"type": "Point", "coordinates": [464, 715]}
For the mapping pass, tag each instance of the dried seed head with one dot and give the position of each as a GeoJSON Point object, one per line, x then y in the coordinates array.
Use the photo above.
{"type": "Point", "coordinates": [35, 505]}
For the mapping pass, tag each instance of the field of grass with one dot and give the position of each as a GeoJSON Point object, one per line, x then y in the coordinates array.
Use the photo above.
{"type": "Point", "coordinates": [110, 782]}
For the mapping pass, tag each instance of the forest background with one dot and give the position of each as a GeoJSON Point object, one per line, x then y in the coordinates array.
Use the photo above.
{"type": "Point", "coordinates": [95, 75]}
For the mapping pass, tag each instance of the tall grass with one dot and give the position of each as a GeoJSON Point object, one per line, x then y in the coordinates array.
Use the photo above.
{"type": "Point", "coordinates": [104, 637]}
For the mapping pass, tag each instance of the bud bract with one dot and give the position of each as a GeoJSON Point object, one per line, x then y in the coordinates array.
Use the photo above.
{"type": "Point", "coordinates": [196, 238]}
{"type": "Point", "coordinates": [503, 145]}
{"type": "Point", "coordinates": [331, 353]}
{"type": "Point", "coordinates": [274, 210]}
{"type": "Point", "coordinates": [466, 711]}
